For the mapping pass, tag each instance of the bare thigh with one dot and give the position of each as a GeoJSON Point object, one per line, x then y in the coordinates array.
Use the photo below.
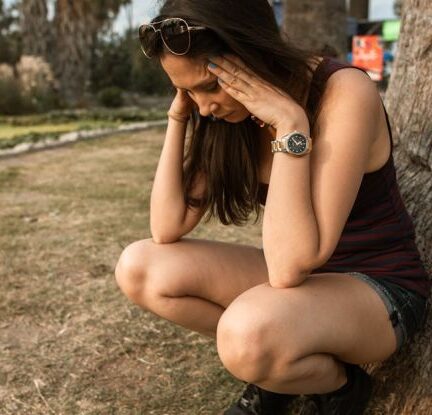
{"type": "Point", "coordinates": [332, 313]}
{"type": "Point", "coordinates": [212, 270]}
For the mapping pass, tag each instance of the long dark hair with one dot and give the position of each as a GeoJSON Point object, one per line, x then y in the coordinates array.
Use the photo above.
{"type": "Point", "coordinates": [228, 154]}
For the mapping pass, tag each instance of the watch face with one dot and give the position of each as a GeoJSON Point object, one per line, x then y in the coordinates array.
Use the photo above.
{"type": "Point", "coordinates": [297, 143]}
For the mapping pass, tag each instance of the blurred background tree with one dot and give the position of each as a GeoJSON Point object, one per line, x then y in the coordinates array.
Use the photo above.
{"type": "Point", "coordinates": [35, 29]}
{"type": "Point", "coordinates": [10, 35]}
{"type": "Point", "coordinates": [77, 25]}
{"type": "Point", "coordinates": [118, 61]}
{"type": "Point", "coordinates": [75, 42]}
{"type": "Point", "coordinates": [397, 7]}
{"type": "Point", "coordinates": [317, 24]}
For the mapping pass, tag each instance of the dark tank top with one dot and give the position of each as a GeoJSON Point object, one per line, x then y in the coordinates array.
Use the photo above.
{"type": "Point", "coordinates": [379, 237]}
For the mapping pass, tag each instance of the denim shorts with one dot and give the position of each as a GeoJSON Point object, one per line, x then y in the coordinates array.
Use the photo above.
{"type": "Point", "coordinates": [407, 309]}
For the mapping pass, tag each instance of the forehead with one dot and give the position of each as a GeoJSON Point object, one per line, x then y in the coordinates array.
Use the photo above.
{"type": "Point", "coordinates": [184, 71]}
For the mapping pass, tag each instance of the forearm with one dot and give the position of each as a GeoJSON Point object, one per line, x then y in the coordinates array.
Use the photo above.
{"type": "Point", "coordinates": [167, 205]}
{"type": "Point", "coordinates": [290, 228]}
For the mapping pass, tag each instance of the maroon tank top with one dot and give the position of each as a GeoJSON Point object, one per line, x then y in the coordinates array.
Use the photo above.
{"type": "Point", "coordinates": [379, 237]}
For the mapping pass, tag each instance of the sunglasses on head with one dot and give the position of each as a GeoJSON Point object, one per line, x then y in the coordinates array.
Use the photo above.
{"type": "Point", "coordinates": [175, 34]}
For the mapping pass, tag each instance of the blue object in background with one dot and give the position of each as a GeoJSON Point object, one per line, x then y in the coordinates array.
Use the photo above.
{"type": "Point", "coordinates": [278, 11]}
{"type": "Point", "coordinates": [388, 56]}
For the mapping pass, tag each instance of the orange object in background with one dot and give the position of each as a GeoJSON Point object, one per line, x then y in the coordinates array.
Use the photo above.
{"type": "Point", "coordinates": [368, 54]}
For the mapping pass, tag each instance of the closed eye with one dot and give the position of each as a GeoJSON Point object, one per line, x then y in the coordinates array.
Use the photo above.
{"type": "Point", "coordinates": [213, 87]}
{"type": "Point", "coordinates": [210, 89]}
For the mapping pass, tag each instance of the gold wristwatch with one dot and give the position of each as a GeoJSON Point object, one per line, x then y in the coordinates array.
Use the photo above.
{"type": "Point", "coordinates": [294, 143]}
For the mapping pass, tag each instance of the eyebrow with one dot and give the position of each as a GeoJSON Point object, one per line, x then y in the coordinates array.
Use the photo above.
{"type": "Point", "coordinates": [201, 85]}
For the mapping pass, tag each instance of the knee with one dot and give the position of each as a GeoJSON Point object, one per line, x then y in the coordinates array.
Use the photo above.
{"type": "Point", "coordinates": [242, 339]}
{"type": "Point", "coordinates": [131, 270]}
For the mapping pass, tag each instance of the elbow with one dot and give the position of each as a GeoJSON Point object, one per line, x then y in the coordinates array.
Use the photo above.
{"type": "Point", "coordinates": [287, 277]}
{"type": "Point", "coordinates": [161, 239]}
{"type": "Point", "coordinates": [164, 234]}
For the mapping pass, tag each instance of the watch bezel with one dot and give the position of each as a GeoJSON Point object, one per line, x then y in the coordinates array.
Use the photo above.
{"type": "Point", "coordinates": [281, 144]}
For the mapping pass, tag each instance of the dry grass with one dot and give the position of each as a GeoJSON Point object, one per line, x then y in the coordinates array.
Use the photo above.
{"type": "Point", "coordinates": [70, 342]}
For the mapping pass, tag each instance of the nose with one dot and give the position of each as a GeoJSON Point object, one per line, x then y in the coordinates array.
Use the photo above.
{"type": "Point", "coordinates": [206, 105]}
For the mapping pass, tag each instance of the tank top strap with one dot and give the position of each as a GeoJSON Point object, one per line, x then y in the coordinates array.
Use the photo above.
{"type": "Point", "coordinates": [327, 67]}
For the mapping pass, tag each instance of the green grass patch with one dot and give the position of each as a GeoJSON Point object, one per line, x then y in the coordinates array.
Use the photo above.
{"type": "Point", "coordinates": [121, 115]}
{"type": "Point", "coordinates": [34, 128]}
{"type": "Point", "coordinates": [8, 131]}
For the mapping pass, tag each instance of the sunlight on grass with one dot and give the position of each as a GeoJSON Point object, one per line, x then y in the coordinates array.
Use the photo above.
{"type": "Point", "coordinates": [9, 131]}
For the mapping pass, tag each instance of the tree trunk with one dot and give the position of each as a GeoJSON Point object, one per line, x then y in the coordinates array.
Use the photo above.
{"type": "Point", "coordinates": [74, 42]}
{"type": "Point", "coordinates": [404, 382]}
{"type": "Point", "coordinates": [77, 25]}
{"type": "Point", "coordinates": [397, 7]}
{"type": "Point", "coordinates": [317, 24]}
{"type": "Point", "coordinates": [35, 29]}
{"type": "Point", "coordinates": [359, 9]}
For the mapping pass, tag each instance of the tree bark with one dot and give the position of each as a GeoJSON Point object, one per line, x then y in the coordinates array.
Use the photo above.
{"type": "Point", "coordinates": [359, 9]}
{"type": "Point", "coordinates": [74, 43]}
{"type": "Point", "coordinates": [317, 24]}
{"type": "Point", "coordinates": [404, 382]}
{"type": "Point", "coordinates": [35, 29]}
{"type": "Point", "coordinates": [77, 24]}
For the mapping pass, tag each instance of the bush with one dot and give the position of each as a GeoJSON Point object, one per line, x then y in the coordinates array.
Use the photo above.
{"type": "Point", "coordinates": [111, 97]}
{"type": "Point", "coordinates": [37, 83]}
{"type": "Point", "coordinates": [11, 100]}
{"type": "Point", "coordinates": [148, 77]}
{"type": "Point", "coordinates": [128, 69]}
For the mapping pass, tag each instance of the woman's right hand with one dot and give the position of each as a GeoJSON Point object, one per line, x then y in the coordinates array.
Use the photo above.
{"type": "Point", "coordinates": [182, 105]}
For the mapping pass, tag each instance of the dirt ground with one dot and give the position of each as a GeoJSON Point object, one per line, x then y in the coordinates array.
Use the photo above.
{"type": "Point", "coordinates": [70, 341]}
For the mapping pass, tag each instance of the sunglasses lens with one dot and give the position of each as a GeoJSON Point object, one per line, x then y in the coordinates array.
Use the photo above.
{"type": "Point", "coordinates": [148, 38]}
{"type": "Point", "coordinates": [176, 35]}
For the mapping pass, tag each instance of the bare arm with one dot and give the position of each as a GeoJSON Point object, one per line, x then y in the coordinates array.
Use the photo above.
{"type": "Point", "coordinates": [170, 218]}
{"type": "Point", "coordinates": [312, 196]}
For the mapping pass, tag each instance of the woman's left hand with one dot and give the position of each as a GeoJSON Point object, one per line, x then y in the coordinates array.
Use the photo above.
{"type": "Point", "coordinates": [262, 99]}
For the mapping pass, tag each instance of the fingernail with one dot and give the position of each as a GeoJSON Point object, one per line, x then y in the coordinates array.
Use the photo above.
{"type": "Point", "coordinates": [212, 65]}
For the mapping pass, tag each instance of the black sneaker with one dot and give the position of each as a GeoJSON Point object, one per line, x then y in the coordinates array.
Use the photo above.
{"type": "Point", "coordinates": [351, 399]}
{"type": "Point", "coordinates": [257, 401]}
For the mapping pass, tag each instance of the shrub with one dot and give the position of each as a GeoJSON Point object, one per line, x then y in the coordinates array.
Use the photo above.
{"type": "Point", "coordinates": [111, 97]}
{"type": "Point", "coordinates": [37, 82]}
{"type": "Point", "coordinates": [6, 72]}
{"type": "Point", "coordinates": [11, 100]}
{"type": "Point", "coordinates": [35, 73]}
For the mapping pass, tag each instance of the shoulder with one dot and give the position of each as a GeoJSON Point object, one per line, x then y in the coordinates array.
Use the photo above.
{"type": "Point", "coordinates": [350, 97]}
{"type": "Point", "coordinates": [351, 85]}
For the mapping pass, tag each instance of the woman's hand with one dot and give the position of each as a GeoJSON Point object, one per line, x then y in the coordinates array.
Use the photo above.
{"type": "Point", "coordinates": [267, 102]}
{"type": "Point", "coordinates": [182, 105]}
